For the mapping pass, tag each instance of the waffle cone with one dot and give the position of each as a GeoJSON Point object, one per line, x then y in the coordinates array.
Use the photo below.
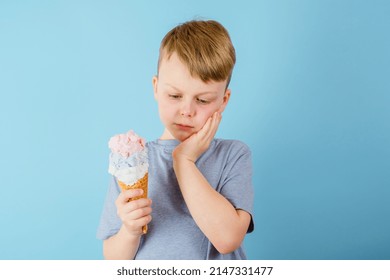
{"type": "Point", "coordinates": [140, 184]}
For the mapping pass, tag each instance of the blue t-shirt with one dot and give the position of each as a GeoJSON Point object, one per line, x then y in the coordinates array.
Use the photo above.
{"type": "Point", "coordinates": [173, 233]}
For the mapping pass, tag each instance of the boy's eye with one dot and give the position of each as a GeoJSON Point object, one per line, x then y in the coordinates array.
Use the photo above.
{"type": "Point", "coordinates": [174, 96]}
{"type": "Point", "coordinates": [203, 101]}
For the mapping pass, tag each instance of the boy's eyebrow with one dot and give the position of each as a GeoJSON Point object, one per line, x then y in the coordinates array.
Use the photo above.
{"type": "Point", "coordinates": [175, 88]}
{"type": "Point", "coordinates": [179, 90]}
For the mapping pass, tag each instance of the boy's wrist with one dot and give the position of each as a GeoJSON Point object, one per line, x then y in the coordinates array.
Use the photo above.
{"type": "Point", "coordinates": [129, 236]}
{"type": "Point", "coordinates": [180, 157]}
{"type": "Point", "coordinates": [181, 161]}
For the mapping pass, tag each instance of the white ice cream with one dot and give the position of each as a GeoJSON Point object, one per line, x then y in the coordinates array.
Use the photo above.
{"type": "Point", "coordinates": [129, 170]}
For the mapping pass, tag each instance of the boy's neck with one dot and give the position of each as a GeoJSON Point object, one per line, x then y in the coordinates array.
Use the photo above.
{"type": "Point", "coordinates": [166, 135]}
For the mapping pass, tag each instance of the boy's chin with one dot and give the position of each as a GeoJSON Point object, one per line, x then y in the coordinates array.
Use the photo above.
{"type": "Point", "coordinates": [182, 138]}
{"type": "Point", "coordinates": [181, 135]}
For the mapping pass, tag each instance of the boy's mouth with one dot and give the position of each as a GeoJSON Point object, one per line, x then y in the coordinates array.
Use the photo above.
{"type": "Point", "coordinates": [183, 126]}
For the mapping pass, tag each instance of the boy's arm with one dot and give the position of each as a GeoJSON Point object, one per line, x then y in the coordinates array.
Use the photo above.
{"type": "Point", "coordinates": [223, 225]}
{"type": "Point", "coordinates": [121, 246]}
{"type": "Point", "coordinates": [134, 215]}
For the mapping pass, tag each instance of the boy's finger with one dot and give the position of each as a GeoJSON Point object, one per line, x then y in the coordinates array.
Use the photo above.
{"type": "Point", "coordinates": [137, 204]}
{"type": "Point", "coordinates": [216, 118]}
{"type": "Point", "coordinates": [206, 127]}
{"type": "Point", "coordinates": [215, 122]}
{"type": "Point", "coordinates": [128, 194]}
{"type": "Point", "coordinates": [138, 223]}
{"type": "Point", "coordinates": [215, 125]}
{"type": "Point", "coordinates": [139, 213]}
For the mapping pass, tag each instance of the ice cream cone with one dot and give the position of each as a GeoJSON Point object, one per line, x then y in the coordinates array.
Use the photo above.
{"type": "Point", "coordinates": [129, 163]}
{"type": "Point", "coordinates": [140, 184]}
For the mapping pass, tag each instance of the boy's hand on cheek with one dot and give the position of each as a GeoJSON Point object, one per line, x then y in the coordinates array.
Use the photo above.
{"type": "Point", "coordinates": [194, 146]}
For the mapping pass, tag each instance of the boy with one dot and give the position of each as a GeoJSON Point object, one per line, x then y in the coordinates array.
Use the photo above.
{"type": "Point", "coordinates": [200, 186]}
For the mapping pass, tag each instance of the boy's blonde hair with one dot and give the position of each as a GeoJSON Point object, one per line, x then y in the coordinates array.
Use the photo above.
{"type": "Point", "coordinates": [204, 47]}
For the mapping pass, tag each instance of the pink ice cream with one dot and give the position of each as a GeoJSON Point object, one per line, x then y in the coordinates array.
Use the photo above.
{"type": "Point", "coordinates": [126, 144]}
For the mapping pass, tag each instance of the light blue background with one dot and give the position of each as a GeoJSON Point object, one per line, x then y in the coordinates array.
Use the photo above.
{"type": "Point", "coordinates": [311, 97]}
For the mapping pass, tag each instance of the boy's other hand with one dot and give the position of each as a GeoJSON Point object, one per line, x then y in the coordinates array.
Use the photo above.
{"type": "Point", "coordinates": [134, 214]}
{"type": "Point", "coordinates": [195, 145]}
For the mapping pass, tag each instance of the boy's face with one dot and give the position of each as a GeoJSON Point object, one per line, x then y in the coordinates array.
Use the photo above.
{"type": "Point", "coordinates": [184, 102]}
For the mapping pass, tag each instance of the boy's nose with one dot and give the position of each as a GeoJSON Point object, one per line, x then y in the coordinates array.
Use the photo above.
{"type": "Point", "coordinates": [187, 110]}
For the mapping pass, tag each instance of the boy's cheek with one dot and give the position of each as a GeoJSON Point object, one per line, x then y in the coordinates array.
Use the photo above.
{"type": "Point", "coordinates": [217, 108]}
{"type": "Point", "coordinates": [205, 118]}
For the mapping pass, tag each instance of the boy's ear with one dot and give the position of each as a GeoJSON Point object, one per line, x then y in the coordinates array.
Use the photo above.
{"type": "Point", "coordinates": [225, 100]}
{"type": "Point", "coordinates": [155, 82]}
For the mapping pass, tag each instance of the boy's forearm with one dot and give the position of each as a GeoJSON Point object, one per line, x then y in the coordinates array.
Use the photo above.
{"type": "Point", "coordinates": [121, 246]}
{"type": "Point", "coordinates": [213, 213]}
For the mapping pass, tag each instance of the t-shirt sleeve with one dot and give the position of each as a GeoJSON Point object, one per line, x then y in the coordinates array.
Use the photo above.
{"type": "Point", "coordinates": [110, 223]}
{"type": "Point", "coordinates": [236, 184]}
